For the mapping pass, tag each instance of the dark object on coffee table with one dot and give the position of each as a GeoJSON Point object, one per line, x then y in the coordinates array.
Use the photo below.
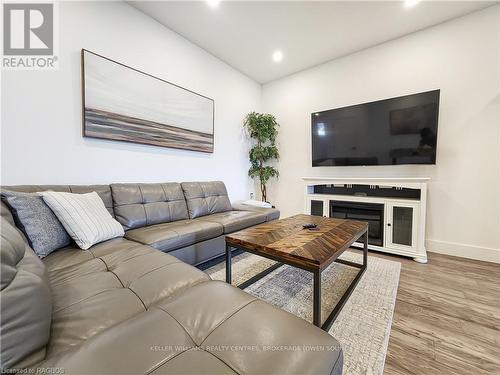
{"type": "Point", "coordinates": [309, 226]}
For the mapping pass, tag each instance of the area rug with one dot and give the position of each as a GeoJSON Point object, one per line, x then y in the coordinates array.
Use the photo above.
{"type": "Point", "coordinates": [364, 324]}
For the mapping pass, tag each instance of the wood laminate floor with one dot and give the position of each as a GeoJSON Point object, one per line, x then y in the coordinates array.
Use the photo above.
{"type": "Point", "coordinates": [447, 317]}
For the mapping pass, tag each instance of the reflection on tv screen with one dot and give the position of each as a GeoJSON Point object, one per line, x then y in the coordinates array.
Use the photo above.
{"type": "Point", "coordinates": [400, 130]}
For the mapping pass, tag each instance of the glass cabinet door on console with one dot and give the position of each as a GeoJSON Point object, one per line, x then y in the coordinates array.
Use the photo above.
{"type": "Point", "coordinates": [401, 226]}
{"type": "Point", "coordinates": [316, 207]}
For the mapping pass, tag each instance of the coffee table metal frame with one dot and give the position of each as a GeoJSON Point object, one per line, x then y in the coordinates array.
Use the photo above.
{"type": "Point", "coordinates": [316, 277]}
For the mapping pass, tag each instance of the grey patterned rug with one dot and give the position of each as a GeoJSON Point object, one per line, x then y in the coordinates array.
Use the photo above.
{"type": "Point", "coordinates": [363, 326]}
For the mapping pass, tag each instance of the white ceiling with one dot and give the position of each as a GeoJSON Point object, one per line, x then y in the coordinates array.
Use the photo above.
{"type": "Point", "coordinates": [244, 34]}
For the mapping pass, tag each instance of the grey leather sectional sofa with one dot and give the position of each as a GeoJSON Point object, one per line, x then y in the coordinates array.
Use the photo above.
{"type": "Point", "coordinates": [123, 307]}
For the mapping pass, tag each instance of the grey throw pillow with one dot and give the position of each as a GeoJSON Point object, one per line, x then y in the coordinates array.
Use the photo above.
{"type": "Point", "coordinates": [36, 220]}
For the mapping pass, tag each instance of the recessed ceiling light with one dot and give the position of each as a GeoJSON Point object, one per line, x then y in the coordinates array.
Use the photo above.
{"type": "Point", "coordinates": [411, 3]}
{"type": "Point", "coordinates": [277, 56]}
{"type": "Point", "coordinates": [213, 3]}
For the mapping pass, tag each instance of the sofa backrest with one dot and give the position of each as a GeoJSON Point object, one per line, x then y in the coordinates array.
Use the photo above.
{"type": "Point", "coordinates": [138, 205]}
{"type": "Point", "coordinates": [206, 198]}
{"type": "Point", "coordinates": [104, 191]}
{"type": "Point", "coordinates": [26, 302]}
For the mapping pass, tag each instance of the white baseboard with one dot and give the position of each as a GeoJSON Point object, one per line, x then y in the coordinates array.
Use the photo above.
{"type": "Point", "coordinates": [486, 254]}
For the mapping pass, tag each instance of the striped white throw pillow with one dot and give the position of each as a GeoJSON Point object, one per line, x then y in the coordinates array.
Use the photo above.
{"type": "Point", "coordinates": [84, 217]}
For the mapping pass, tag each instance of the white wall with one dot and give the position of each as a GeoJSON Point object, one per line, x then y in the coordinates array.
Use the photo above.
{"type": "Point", "coordinates": [460, 57]}
{"type": "Point", "coordinates": [41, 110]}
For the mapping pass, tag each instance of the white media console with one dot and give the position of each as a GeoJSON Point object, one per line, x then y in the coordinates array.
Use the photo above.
{"type": "Point", "coordinates": [393, 207]}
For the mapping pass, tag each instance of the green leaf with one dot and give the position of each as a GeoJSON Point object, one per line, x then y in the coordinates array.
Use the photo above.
{"type": "Point", "coordinates": [263, 153]}
{"type": "Point", "coordinates": [263, 129]}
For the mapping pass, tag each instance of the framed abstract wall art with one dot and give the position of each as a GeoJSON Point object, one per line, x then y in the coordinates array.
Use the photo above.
{"type": "Point", "coordinates": [124, 104]}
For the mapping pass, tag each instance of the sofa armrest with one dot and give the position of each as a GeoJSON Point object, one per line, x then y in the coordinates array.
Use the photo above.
{"type": "Point", "coordinates": [271, 213]}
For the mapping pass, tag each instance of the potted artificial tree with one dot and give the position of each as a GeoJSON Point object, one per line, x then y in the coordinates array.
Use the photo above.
{"type": "Point", "coordinates": [263, 130]}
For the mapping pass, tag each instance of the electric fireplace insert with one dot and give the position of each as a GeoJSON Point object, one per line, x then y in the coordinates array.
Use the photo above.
{"type": "Point", "coordinates": [372, 213]}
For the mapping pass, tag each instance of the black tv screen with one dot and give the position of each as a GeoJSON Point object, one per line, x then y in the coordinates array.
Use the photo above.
{"type": "Point", "coordinates": [400, 130]}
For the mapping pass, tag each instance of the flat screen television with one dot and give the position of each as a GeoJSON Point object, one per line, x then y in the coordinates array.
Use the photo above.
{"type": "Point", "coordinates": [400, 130]}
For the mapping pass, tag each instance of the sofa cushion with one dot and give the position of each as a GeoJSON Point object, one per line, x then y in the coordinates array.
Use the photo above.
{"type": "Point", "coordinates": [77, 322]}
{"type": "Point", "coordinates": [72, 256]}
{"type": "Point", "coordinates": [148, 342]}
{"type": "Point", "coordinates": [212, 328]}
{"type": "Point", "coordinates": [115, 281]}
{"type": "Point", "coordinates": [156, 276]}
{"type": "Point", "coordinates": [138, 205]}
{"type": "Point", "coordinates": [41, 227]}
{"type": "Point", "coordinates": [84, 217]}
{"type": "Point", "coordinates": [26, 302]}
{"type": "Point", "coordinates": [285, 343]}
{"type": "Point", "coordinates": [235, 220]}
{"type": "Point", "coordinates": [206, 198]}
{"type": "Point", "coordinates": [171, 236]}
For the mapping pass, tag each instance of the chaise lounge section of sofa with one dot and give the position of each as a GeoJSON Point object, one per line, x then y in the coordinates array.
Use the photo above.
{"type": "Point", "coordinates": [188, 220]}
{"type": "Point", "coordinates": [123, 306]}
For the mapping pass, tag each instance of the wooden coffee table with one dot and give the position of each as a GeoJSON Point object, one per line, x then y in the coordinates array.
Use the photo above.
{"type": "Point", "coordinates": [286, 242]}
